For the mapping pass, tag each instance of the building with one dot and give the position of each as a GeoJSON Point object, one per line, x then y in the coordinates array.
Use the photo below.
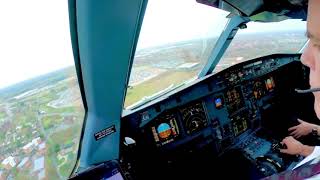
{"type": "Point", "coordinates": [28, 147]}
{"type": "Point", "coordinates": [42, 174]}
{"type": "Point", "coordinates": [42, 148]}
{"type": "Point", "coordinates": [36, 141]}
{"type": "Point", "coordinates": [24, 163]}
{"type": "Point", "coordinates": [2, 175]}
{"type": "Point", "coordinates": [38, 164]}
{"type": "Point", "coordinates": [9, 162]}
{"type": "Point", "coordinates": [41, 112]}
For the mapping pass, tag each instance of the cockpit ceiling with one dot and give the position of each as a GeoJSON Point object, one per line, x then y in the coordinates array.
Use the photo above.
{"type": "Point", "coordinates": [262, 10]}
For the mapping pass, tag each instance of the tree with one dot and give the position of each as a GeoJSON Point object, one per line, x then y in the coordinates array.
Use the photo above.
{"type": "Point", "coordinates": [56, 148]}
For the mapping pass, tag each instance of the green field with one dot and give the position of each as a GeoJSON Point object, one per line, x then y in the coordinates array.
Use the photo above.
{"type": "Point", "coordinates": [50, 121]}
{"type": "Point", "coordinates": [2, 115]}
{"type": "Point", "coordinates": [64, 136]}
{"type": "Point", "coordinates": [51, 171]}
{"type": "Point", "coordinates": [65, 169]}
{"type": "Point", "coordinates": [157, 84]}
{"type": "Point", "coordinates": [24, 175]}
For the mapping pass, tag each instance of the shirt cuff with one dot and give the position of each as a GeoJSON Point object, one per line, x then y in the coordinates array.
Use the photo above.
{"type": "Point", "coordinates": [315, 153]}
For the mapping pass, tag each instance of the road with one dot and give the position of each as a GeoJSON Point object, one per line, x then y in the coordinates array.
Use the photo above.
{"type": "Point", "coordinates": [8, 117]}
{"type": "Point", "coordinates": [51, 131]}
{"type": "Point", "coordinates": [46, 137]}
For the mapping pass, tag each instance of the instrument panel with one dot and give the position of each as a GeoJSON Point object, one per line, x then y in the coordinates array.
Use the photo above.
{"type": "Point", "coordinates": [226, 106]}
{"type": "Point", "coordinates": [245, 107]}
{"type": "Point", "coordinates": [165, 128]}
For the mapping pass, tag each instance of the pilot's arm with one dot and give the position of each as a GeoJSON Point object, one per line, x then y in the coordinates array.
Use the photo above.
{"type": "Point", "coordinates": [303, 129]}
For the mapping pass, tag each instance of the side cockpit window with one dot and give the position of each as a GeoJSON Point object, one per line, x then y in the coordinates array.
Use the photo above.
{"type": "Point", "coordinates": [41, 110]}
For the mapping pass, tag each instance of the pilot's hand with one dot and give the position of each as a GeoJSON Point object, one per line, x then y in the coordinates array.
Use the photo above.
{"type": "Point", "coordinates": [293, 146]}
{"type": "Point", "coordinates": [304, 128]}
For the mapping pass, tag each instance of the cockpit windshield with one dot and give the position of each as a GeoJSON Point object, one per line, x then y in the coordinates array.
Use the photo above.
{"type": "Point", "coordinates": [261, 39]}
{"type": "Point", "coordinates": [175, 42]}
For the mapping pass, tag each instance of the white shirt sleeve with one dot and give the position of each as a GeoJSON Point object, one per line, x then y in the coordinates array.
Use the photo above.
{"type": "Point", "coordinates": [315, 177]}
{"type": "Point", "coordinates": [315, 153]}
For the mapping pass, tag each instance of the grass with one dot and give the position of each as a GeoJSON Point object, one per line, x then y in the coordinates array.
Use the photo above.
{"type": "Point", "coordinates": [51, 171]}
{"type": "Point", "coordinates": [2, 115]}
{"type": "Point", "coordinates": [156, 84]}
{"type": "Point", "coordinates": [24, 175]}
{"type": "Point", "coordinates": [48, 109]}
{"type": "Point", "coordinates": [64, 136]}
{"type": "Point", "coordinates": [66, 168]}
{"type": "Point", "coordinates": [60, 161]}
{"type": "Point", "coordinates": [50, 121]}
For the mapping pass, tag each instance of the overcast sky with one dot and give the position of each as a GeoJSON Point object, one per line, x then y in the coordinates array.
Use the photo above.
{"type": "Point", "coordinates": [35, 40]}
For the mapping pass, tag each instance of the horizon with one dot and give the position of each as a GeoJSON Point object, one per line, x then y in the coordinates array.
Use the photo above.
{"type": "Point", "coordinates": [34, 45]}
{"type": "Point", "coordinates": [146, 48]}
{"type": "Point", "coordinates": [35, 77]}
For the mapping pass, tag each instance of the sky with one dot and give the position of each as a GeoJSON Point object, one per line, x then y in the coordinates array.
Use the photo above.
{"type": "Point", "coordinates": [35, 39]}
{"type": "Point", "coordinates": [186, 19]}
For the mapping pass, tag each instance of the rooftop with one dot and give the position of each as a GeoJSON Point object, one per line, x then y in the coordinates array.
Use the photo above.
{"type": "Point", "coordinates": [36, 141]}
{"type": "Point", "coordinates": [42, 146]}
{"type": "Point", "coordinates": [42, 174]}
{"type": "Point", "coordinates": [38, 164]}
{"type": "Point", "coordinates": [27, 146]}
{"type": "Point", "coordinates": [9, 160]}
{"type": "Point", "coordinates": [23, 162]}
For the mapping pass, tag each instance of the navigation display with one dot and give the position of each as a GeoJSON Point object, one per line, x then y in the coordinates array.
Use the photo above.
{"type": "Point", "coordinates": [194, 117]}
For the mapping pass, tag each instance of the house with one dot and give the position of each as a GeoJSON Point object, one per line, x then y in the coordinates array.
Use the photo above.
{"type": "Point", "coordinates": [25, 162]}
{"type": "Point", "coordinates": [38, 164]}
{"type": "Point", "coordinates": [42, 148]}
{"type": "Point", "coordinates": [9, 162]}
{"type": "Point", "coordinates": [42, 174]}
{"type": "Point", "coordinates": [36, 141]}
{"type": "Point", "coordinates": [2, 175]}
{"type": "Point", "coordinates": [28, 147]}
